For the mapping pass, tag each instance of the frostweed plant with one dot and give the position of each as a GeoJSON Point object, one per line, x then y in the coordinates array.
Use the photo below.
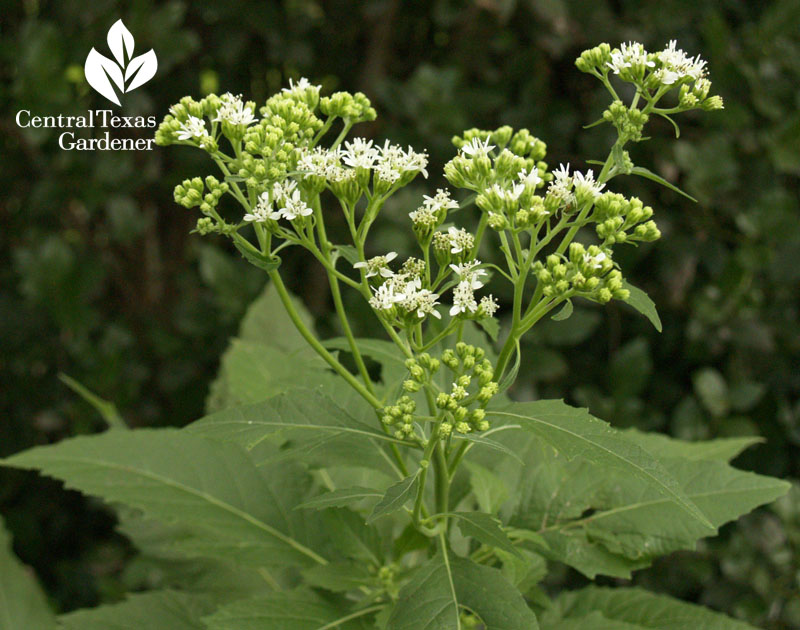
{"type": "Point", "coordinates": [410, 492]}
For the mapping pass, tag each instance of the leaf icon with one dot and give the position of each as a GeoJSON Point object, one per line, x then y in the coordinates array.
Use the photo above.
{"type": "Point", "coordinates": [120, 39]}
{"type": "Point", "coordinates": [98, 69]}
{"type": "Point", "coordinates": [141, 69]}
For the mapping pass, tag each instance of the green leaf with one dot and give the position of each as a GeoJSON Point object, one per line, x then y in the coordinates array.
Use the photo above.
{"type": "Point", "coordinates": [435, 594]}
{"type": "Point", "coordinates": [339, 498]}
{"type": "Point", "coordinates": [639, 608]}
{"type": "Point", "coordinates": [575, 433]}
{"type": "Point", "coordinates": [395, 497]}
{"type": "Point", "coordinates": [647, 174]}
{"type": "Point", "coordinates": [486, 529]}
{"type": "Point", "coordinates": [564, 313]}
{"type": "Point", "coordinates": [348, 252]}
{"type": "Point", "coordinates": [384, 352]}
{"type": "Point", "coordinates": [647, 524]}
{"type": "Point", "coordinates": [262, 261]}
{"type": "Point", "coordinates": [248, 372]}
{"type": "Point", "coordinates": [720, 449]}
{"type": "Point", "coordinates": [491, 326]}
{"type": "Point", "coordinates": [107, 409]}
{"type": "Point", "coordinates": [612, 522]}
{"type": "Point", "coordinates": [212, 487]}
{"type": "Point", "coordinates": [285, 610]}
{"type": "Point", "coordinates": [339, 577]}
{"type": "Point", "coordinates": [23, 605]}
{"type": "Point", "coordinates": [313, 428]}
{"type": "Point", "coordinates": [639, 300]}
{"type": "Point", "coordinates": [160, 609]}
{"type": "Point", "coordinates": [490, 490]}
{"type": "Point", "coordinates": [489, 443]}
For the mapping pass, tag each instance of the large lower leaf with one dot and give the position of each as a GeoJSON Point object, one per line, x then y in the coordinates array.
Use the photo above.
{"type": "Point", "coordinates": [22, 604]}
{"type": "Point", "coordinates": [162, 609]}
{"type": "Point", "coordinates": [439, 590]}
{"type": "Point", "coordinates": [316, 429]}
{"type": "Point", "coordinates": [212, 487]}
{"type": "Point", "coordinates": [612, 523]}
{"type": "Point", "coordinates": [635, 607]}
{"type": "Point", "coordinates": [577, 434]}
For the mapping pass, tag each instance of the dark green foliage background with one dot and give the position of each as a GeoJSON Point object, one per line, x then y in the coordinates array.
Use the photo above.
{"type": "Point", "coordinates": [100, 279]}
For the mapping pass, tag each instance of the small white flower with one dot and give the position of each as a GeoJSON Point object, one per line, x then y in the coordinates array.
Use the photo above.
{"type": "Point", "coordinates": [377, 265]}
{"type": "Point", "coordinates": [294, 207]}
{"type": "Point", "coordinates": [393, 162]}
{"type": "Point", "coordinates": [319, 162]}
{"type": "Point", "coordinates": [628, 55]}
{"type": "Point", "coordinates": [585, 186]}
{"type": "Point", "coordinates": [433, 209]}
{"type": "Point", "coordinates": [359, 153]}
{"type": "Point", "coordinates": [385, 297]}
{"type": "Point", "coordinates": [194, 127]}
{"type": "Point", "coordinates": [263, 210]}
{"type": "Point", "coordinates": [476, 147]}
{"type": "Point", "coordinates": [488, 306]}
{"type": "Point", "coordinates": [468, 272]}
{"type": "Point", "coordinates": [676, 65]}
{"type": "Point", "coordinates": [301, 88]}
{"type": "Point", "coordinates": [460, 240]}
{"type": "Point", "coordinates": [561, 185]}
{"type": "Point", "coordinates": [509, 194]}
{"type": "Point", "coordinates": [234, 111]}
{"type": "Point", "coordinates": [463, 299]}
{"type": "Point", "coordinates": [531, 178]}
{"type": "Point", "coordinates": [594, 262]}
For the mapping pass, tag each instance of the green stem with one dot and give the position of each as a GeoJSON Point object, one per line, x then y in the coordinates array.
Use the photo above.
{"type": "Point", "coordinates": [337, 298]}
{"type": "Point", "coordinates": [316, 345]}
{"type": "Point", "coordinates": [423, 474]}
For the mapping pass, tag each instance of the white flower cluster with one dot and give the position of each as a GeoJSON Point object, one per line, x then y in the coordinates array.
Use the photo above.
{"type": "Point", "coordinates": [568, 189]}
{"type": "Point", "coordinates": [677, 65]}
{"type": "Point", "coordinates": [433, 209]}
{"type": "Point", "coordinates": [389, 162]}
{"type": "Point", "coordinates": [393, 162]}
{"type": "Point", "coordinates": [672, 64]}
{"type": "Point", "coordinates": [477, 147]}
{"type": "Point", "coordinates": [286, 197]}
{"type": "Point", "coordinates": [627, 56]}
{"type": "Point", "coordinates": [234, 111]}
{"type": "Point", "coordinates": [456, 240]}
{"type": "Point", "coordinates": [302, 89]}
{"type": "Point", "coordinates": [378, 265]}
{"type": "Point", "coordinates": [406, 292]}
{"type": "Point", "coordinates": [464, 293]}
{"type": "Point", "coordinates": [193, 127]}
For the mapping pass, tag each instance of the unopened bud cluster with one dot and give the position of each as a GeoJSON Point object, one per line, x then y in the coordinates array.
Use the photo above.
{"type": "Point", "coordinates": [621, 220]}
{"type": "Point", "coordinates": [464, 405]}
{"type": "Point", "coordinates": [192, 193]}
{"type": "Point", "coordinates": [477, 167]}
{"type": "Point", "coordinates": [420, 371]}
{"type": "Point", "coordinates": [586, 272]}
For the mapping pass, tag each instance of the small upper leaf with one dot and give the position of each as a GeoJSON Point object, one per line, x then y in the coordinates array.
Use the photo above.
{"type": "Point", "coordinates": [396, 497]}
{"type": "Point", "coordinates": [639, 300]}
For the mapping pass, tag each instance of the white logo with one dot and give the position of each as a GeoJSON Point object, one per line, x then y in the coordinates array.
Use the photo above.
{"type": "Point", "coordinates": [100, 71]}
